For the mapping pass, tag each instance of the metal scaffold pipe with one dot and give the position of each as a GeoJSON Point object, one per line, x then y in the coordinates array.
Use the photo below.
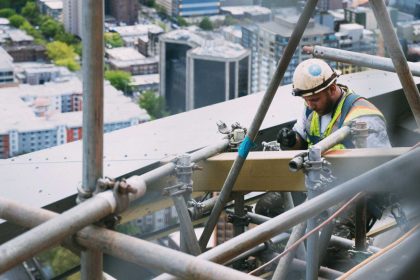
{"type": "Point", "coordinates": [128, 248]}
{"type": "Point", "coordinates": [93, 117]}
{"type": "Point", "coordinates": [257, 121]}
{"type": "Point", "coordinates": [359, 59]}
{"type": "Point", "coordinates": [395, 52]}
{"type": "Point", "coordinates": [376, 179]}
{"type": "Point", "coordinates": [92, 210]}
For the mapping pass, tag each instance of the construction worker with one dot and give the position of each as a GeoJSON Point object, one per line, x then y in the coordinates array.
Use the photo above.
{"type": "Point", "coordinates": [328, 106]}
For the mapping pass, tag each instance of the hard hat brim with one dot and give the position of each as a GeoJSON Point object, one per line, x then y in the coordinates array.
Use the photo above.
{"type": "Point", "coordinates": [319, 88]}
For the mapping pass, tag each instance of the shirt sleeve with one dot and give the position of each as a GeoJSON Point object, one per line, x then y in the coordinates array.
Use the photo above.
{"type": "Point", "coordinates": [299, 126]}
{"type": "Point", "coordinates": [378, 136]}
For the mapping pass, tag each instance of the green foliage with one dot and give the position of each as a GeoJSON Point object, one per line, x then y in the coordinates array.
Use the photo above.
{"type": "Point", "coordinates": [28, 28]}
{"type": "Point", "coordinates": [161, 10]}
{"type": "Point", "coordinates": [71, 64]}
{"type": "Point", "coordinates": [206, 24]}
{"type": "Point", "coordinates": [58, 50]}
{"type": "Point", "coordinates": [7, 12]}
{"type": "Point", "coordinates": [129, 228]}
{"type": "Point", "coordinates": [31, 12]}
{"type": "Point", "coordinates": [150, 3]}
{"type": "Point", "coordinates": [63, 55]}
{"type": "Point", "coordinates": [16, 20]}
{"type": "Point", "coordinates": [153, 104]}
{"type": "Point", "coordinates": [181, 21]}
{"type": "Point", "coordinates": [50, 28]}
{"type": "Point", "coordinates": [114, 40]}
{"type": "Point", "coordinates": [59, 259]}
{"type": "Point", "coordinates": [229, 20]}
{"type": "Point", "coordinates": [16, 5]}
{"type": "Point", "coordinates": [119, 79]}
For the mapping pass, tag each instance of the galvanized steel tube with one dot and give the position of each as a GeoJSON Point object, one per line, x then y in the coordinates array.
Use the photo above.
{"type": "Point", "coordinates": [128, 248]}
{"type": "Point", "coordinates": [258, 119]}
{"type": "Point", "coordinates": [93, 116]}
{"type": "Point", "coordinates": [378, 178]}
{"type": "Point", "coordinates": [54, 231]}
{"type": "Point", "coordinates": [395, 52]}
{"type": "Point", "coordinates": [359, 59]}
{"type": "Point", "coordinates": [333, 139]}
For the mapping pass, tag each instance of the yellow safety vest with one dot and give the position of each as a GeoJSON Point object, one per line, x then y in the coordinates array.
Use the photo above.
{"type": "Point", "coordinates": [350, 107]}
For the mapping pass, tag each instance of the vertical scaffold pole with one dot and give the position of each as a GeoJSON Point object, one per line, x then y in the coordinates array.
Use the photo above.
{"type": "Point", "coordinates": [93, 102]}
{"type": "Point", "coordinates": [395, 52]}
{"type": "Point", "coordinates": [312, 179]}
{"type": "Point", "coordinates": [257, 121]}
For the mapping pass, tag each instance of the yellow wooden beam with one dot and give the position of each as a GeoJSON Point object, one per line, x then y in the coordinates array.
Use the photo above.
{"type": "Point", "coordinates": [269, 171]}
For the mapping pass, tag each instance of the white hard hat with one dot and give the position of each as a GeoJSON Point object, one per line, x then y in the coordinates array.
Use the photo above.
{"type": "Point", "coordinates": [312, 76]}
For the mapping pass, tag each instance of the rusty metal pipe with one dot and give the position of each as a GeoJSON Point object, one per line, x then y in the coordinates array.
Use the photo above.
{"type": "Point", "coordinates": [376, 179]}
{"type": "Point", "coordinates": [359, 59]}
{"type": "Point", "coordinates": [398, 59]}
{"type": "Point", "coordinates": [131, 249]}
{"type": "Point", "coordinates": [257, 120]}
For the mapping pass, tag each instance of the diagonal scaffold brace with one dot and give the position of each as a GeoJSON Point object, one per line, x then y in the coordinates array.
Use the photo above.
{"type": "Point", "coordinates": [247, 144]}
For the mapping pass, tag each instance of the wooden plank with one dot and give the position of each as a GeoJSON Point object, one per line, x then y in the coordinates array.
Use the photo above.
{"type": "Point", "coordinates": [269, 171]}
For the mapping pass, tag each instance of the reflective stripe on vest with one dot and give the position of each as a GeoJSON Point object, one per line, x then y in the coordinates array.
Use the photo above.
{"type": "Point", "coordinates": [354, 107]}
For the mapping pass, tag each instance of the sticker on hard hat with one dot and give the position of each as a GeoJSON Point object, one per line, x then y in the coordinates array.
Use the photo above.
{"type": "Point", "coordinates": [314, 70]}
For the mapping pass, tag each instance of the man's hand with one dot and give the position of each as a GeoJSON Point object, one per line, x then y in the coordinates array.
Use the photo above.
{"type": "Point", "coordinates": [287, 138]}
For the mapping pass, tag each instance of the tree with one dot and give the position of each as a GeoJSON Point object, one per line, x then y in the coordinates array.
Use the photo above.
{"type": "Point", "coordinates": [7, 12]}
{"type": "Point", "coordinates": [153, 104]}
{"type": "Point", "coordinates": [63, 55]}
{"type": "Point", "coordinates": [16, 20]}
{"type": "Point", "coordinates": [206, 24]}
{"type": "Point", "coordinates": [28, 28]}
{"type": "Point", "coordinates": [58, 50]}
{"type": "Point", "coordinates": [181, 21]}
{"type": "Point", "coordinates": [31, 12]}
{"type": "Point", "coordinates": [59, 259]}
{"type": "Point", "coordinates": [70, 63]}
{"type": "Point", "coordinates": [119, 79]}
{"type": "Point", "coordinates": [150, 3]}
{"type": "Point", "coordinates": [114, 40]}
{"type": "Point", "coordinates": [50, 28]}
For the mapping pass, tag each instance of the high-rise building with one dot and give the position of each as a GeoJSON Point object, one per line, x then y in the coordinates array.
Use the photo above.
{"type": "Point", "coordinates": [72, 15]}
{"type": "Point", "coordinates": [354, 37]}
{"type": "Point", "coordinates": [43, 116]}
{"type": "Point", "coordinates": [267, 42]}
{"type": "Point", "coordinates": [185, 8]}
{"type": "Point", "coordinates": [123, 10]}
{"type": "Point", "coordinates": [216, 72]}
{"type": "Point", "coordinates": [199, 69]}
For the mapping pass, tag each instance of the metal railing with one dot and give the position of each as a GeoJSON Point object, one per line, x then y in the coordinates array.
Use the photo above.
{"type": "Point", "coordinates": [109, 197]}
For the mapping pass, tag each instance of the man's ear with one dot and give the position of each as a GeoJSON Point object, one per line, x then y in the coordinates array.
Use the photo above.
{"type": "Point", "coordinates": [333, 88]}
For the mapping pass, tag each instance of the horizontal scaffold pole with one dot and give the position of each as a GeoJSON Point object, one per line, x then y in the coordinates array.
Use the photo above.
{"type": "Point", "coordinates": [54, 231]}
{"type": "Point", "coordinates": [359, 59]}
{"type": "Point", "coordinates": [381, 178]}
{"type": "Point", "coordinates": [138, 251]}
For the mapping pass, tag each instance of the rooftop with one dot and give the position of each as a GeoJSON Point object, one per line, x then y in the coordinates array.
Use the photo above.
{"type": "Point", "coordinates": [145, 79]}
{"type": "Point", "coordinates": [136, 30]}
{"type": "Point", "coordinates": [241, 10]}
{"type": "Point", "coordinates": [220, 49]}
{"type": "Point", "coordinates": [284, 27]}
{"type": "Point", "coordinates": [54, 4]}
{"type": "Point", "coordinates": [17, 114]}
{"type": "Point", "coordinates": [17, 35]}
{"type": "Point", "coordinates": [124, 54]}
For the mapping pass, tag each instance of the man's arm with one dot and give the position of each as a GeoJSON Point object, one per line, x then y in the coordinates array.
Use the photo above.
{"type": "Point", "coordinates": [289, 139]}
{"type": "Point", "coordinates": [378, 136]}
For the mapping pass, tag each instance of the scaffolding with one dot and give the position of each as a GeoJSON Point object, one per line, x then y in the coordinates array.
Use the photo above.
{"type": "Point", "coordinates": [102, 198]}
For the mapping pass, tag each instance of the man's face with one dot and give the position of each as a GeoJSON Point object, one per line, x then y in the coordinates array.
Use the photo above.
{"type": "Point", "coordinates": [321, 102]}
